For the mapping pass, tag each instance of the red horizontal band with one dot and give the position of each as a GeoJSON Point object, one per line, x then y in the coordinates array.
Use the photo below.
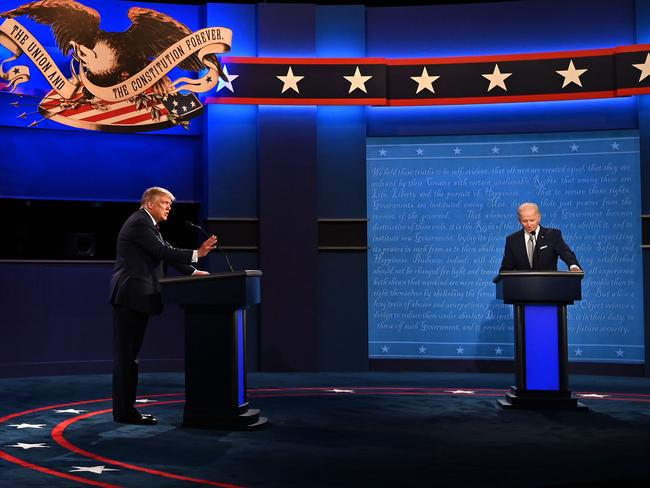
{"type": "Point", "coordinates": [295, 101]}
{"type": "Point", "coordinates": [253, 60]}
{"type": "Point", "coordinates": [502, 57]}
{"type": "Point", "coordinates": [501, 99]}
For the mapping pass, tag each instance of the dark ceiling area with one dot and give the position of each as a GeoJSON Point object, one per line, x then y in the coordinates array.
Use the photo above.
{"type": "Point", "coordinates": [368, 3]}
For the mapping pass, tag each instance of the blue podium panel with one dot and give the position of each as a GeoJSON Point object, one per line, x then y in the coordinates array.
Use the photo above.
{"type": "Point", "coordinates": [542, 347]}
{"type": "Point", "coordinates": [241, 356]}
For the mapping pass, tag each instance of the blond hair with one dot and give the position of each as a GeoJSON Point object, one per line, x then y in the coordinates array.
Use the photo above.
{"type": "Point", "coordinates": [153, 193]}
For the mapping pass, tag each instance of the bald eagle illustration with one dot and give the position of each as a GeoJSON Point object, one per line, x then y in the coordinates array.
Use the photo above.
{"type": "Point", "coordinates": [110, 57]}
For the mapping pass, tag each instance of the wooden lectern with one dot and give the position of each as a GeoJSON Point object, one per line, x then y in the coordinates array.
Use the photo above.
{"type": "Point", "coordinates": [540, 300]}
{"type": "Point", "coordinates": [215, 346]}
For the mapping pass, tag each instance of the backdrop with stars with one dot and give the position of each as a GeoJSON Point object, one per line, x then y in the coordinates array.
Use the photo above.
{"type": "Point", "coordinates": [439, 210]}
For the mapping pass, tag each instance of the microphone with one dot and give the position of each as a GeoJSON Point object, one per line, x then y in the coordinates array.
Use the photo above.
{"type": "Point", "coordinates": [191, 224]}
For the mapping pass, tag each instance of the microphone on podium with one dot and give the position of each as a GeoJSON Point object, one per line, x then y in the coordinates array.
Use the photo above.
{"type": "Point", "coordinates": [191, 224]}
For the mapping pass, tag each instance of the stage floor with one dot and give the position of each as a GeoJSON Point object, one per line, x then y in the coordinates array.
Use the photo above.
{"type": "Point", "coordinates": [328, 430]}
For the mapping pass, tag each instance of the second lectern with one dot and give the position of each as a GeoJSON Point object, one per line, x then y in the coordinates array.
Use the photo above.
{"type": "Point", "coordinates": [215, 346]}
{"type": "Point", "coordinates": [540, 300]}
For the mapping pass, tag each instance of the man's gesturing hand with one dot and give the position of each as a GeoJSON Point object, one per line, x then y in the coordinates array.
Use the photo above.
{"type": "Point", "coordinates": [210, 244]}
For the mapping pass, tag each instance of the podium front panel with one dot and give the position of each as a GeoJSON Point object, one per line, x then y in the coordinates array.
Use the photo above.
{"type": "Point", "coordinates": [541, 344]}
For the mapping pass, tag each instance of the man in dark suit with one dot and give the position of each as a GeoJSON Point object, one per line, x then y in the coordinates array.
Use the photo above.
{"type": "Point", "coordinates": [135, 292]}
{"type": "Point", "coordinates": [536, 248]}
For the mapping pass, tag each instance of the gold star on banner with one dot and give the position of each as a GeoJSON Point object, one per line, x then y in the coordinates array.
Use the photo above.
{"type": "Point", "coordinates": [290, 81]}
{"type": "Point", "coordinates": [425, 81]}
{"type": "Point", "coordinates": [571, 75]}
{"type": "Point", "coordinates": [357, 81]}
{"type": "Point", "coordinates": [644, 67]}
{"type": "Point", "coordinates": [497, 78]}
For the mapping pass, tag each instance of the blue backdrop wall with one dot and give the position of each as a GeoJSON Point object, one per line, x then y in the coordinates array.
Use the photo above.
{"type": "Point", "coordinates": [246, 164]}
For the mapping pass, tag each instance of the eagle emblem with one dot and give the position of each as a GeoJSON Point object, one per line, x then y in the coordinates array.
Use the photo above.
{"type": "Point", "coordinates": [119, 81]}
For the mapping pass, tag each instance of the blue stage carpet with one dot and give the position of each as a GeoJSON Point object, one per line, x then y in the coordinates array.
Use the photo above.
{"type": "Point", "coordinates": [328, 430]}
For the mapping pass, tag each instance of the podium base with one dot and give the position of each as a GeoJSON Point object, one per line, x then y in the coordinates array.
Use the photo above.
{"type": "Point", "coordinates": [247, 420]}
{"type": "Point", "coordinates": [541, 400]}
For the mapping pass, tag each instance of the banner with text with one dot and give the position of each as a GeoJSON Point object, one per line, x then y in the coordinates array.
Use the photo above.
{"type": "Point", "coordinates": [439, 209]}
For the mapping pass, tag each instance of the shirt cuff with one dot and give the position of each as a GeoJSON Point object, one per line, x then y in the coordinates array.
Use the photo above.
{"type": "Point", "coordinates": [195, 256]}
{"type": "Point", "coordinates": [574, 266]}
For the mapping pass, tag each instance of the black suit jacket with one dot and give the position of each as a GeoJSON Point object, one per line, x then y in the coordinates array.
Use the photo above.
{"type": "Point", "coordinates": [141, 252]}
{"type": "Point", "coordinates": [548, 248]}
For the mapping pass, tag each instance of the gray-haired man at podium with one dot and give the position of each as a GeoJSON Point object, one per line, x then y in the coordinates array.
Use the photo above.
{"type": "Point", "coordinates": [536, 248]}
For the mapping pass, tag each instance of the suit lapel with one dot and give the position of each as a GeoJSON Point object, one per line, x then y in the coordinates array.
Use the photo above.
{"type": "Point", "coordinates": [150, 222]}
{"type": "Point", "coordinates": [521, 246]}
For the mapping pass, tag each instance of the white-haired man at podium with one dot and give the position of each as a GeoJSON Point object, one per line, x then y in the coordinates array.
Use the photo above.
{"type": "Point", "coordinates": [536, 248]}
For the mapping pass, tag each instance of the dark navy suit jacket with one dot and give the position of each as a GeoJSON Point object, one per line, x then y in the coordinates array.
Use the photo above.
{"type": "Point", "coordinates": [141, 252]}
{"type": "Point", "coordinates": [548, 248]}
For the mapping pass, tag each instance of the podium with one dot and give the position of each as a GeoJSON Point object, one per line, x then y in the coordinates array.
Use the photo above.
{"type": "Point", "coordinates": [540, 300]}
{"type": "Point", "coordinates": [215, 346]}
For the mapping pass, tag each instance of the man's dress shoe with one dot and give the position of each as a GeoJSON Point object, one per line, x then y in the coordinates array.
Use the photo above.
{"type": "Point", "coordinates": [144, 419]}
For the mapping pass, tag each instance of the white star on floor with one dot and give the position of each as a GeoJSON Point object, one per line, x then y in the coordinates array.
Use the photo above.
{"type": "Point", "coordinates": [644, 67]}
{"type": "Point", "coordinates": [383, 152]}
{"type": "Point", "coordinates": [336, 390]}
{"type": "Point", "coordinates": [498, 351]}
{"type": "Point", "coordinates": [574, 147]}
{"type": "Point", "coordinates": [591, 395]}
{"type": "Point", "coordinates": [385, 349]}
{"type": "Point", "coordinates": [457, 151]}
{"type": "Point", "coordinates": [357, 81]}
{"type": "Point", "coordinates": [91, 469]}
{"type": "Point", "coordinates": [145, 400]}
{"type": "Point", "coordinates": [28, 426]}
{"type": "Point", "coordinates": [578, 352]}
{"type": "Point", "coordinates": [496, 78]}
{"type": "Point", "coordinates": [290, 81]}
{"type": "Point", "coordinates": [571, 75]}
{"type": "Point", "coordinates": [534, 148]}
{"type": "Point", "coordinates": [460, 350]}
{"type": "Point", "coordinates": [70, 410]}
{"type": "Point", "coordinates": [226, 84]}
{"type": "Point", "coordinates": [461, 392]}
{"type": "Point", "coordinates": [620, 353]}
{"type": "Point", "coordinates": [495, 150]}
{"type": "Point", "coordinates": [425, 81]}
{"type": "Point", "coordinates": [22, 445]}
{"type": "Point", "coordinates": [422, 349]}
{"type": "Point", "coordinates": [419, 151]}
{"type": "Point", "coordinates": [614, 146]}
